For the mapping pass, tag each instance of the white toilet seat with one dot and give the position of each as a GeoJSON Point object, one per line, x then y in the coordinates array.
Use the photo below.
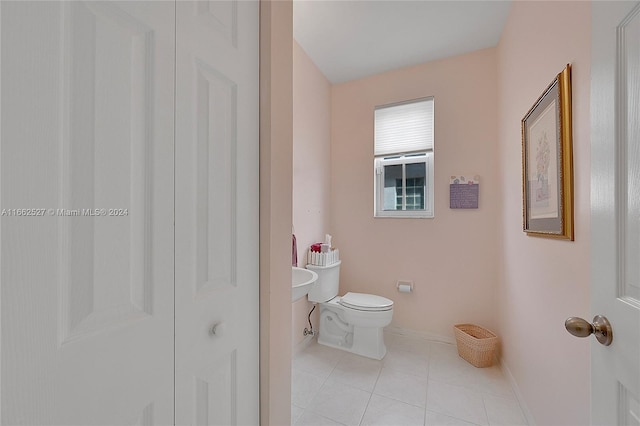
{"type": "Point", "coordinates": [366, 302]}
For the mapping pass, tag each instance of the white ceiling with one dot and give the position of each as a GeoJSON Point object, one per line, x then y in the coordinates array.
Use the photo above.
{"type": "Point", "coordinates": [351, 39]}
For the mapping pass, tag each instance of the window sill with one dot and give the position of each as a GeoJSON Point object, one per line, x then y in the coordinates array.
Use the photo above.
{"type": "Point", "coordinates": [404, 216]}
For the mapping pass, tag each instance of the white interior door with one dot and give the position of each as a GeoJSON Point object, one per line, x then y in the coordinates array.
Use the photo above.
{"type": "Point", "coordinates": [87, 104]}
{"type": "Point", "coordinates": [615, 200]}
{"type": "Point", "coordinates": [217, 218]}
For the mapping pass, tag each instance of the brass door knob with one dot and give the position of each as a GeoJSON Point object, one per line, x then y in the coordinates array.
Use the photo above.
{"type": "Point", "coordinates": [217, 329]}
{"type": "Point", "coordinates": [601, 328]}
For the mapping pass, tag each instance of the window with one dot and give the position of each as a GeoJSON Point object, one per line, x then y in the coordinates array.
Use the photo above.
{"type": "Point", "coordinates": [404, 159]}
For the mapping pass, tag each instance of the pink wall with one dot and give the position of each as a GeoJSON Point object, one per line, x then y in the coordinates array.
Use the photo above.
{"type": "Point", "coordinates": [311, 166]}
{"type": "Point", "coordinates": [276, 140]}
{"type": "Point", "coordinates": [544, 281]}
{"type": "Point", "coordinates": [452, 258]}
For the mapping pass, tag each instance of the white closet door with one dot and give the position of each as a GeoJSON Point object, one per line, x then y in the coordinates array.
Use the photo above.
{"type": "Point", "coordinates": [217, 213]}
{"type": "Point", "coordinates": [87, 113]}
{"type": "Point", "coordinates": [615, 210]}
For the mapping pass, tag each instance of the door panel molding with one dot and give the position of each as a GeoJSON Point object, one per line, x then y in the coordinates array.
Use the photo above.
{"type": "Point", "coordinates": [221, 17]}
{"type": "Point", "coordinates": [216, 113]}
{"type": "Point", "coordinates": [105, 152]}
{"type": "Point", "coordinates": [628, 155]}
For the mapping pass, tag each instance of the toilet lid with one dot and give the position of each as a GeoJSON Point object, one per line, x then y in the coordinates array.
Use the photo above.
{"type": "Point", "coordinates": [366, 302]}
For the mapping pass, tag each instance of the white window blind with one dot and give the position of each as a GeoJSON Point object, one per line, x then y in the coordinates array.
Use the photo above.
{"type": "Point", "coordinates": [404, 128]}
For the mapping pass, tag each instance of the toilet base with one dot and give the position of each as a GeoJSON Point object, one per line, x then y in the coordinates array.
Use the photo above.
{"type": "Point", "coordinates": [336, 332]}
{"type": "Point", "coordinates": [367, 342]}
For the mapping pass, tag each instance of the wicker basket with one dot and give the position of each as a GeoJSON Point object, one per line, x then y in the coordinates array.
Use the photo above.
{"type": "Point", "coordinates": [476, 344]}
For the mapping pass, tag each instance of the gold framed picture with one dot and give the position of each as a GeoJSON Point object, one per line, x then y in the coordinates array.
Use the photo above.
{"type": "Point", "coordinates": [547, 162]}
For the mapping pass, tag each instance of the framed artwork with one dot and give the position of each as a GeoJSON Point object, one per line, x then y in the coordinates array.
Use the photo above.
{"type": "Point", "coordinates": [547, 162]}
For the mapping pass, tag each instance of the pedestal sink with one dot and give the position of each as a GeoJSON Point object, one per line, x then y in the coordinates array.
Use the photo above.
{"type": "Point", "coordinates": [301, 282]}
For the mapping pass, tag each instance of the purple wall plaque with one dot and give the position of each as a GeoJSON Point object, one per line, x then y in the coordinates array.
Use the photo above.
{"type": "Point", "coordinates": [464, 192]}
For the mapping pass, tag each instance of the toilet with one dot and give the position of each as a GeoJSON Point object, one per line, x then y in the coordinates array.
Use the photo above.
{"type": "Point", "coordinates": [352, 322]}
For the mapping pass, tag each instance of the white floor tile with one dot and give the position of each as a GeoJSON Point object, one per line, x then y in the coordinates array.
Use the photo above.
{"type": "Point", "coordinates": [456, 371]}
{"type": "Point", "coordinates": [492, 381]}
{"type": "Point", "coordinates": [407, 362]}
{"type": "Point", "coordinates": [304, 386]}
{"type": "Point", "coordinates": [447, 349]}
{"type": "Point", "coordinates": [408, 344]}
{"type": "Point", "coordinates": [317, 359]}
{"type": "Point", "coordinates": [503, 412]}
{"type": "Point", "coordinates": [309, 418]}
{"type": "Point", "coordinates": [357, 371]}
{"type": "Point", "coordinates": [437, 419]}
{"type": "Point", "coordinates": [383, 411]}
{"type": "Point", "coordinates": [457, 402]}
{"type": "Point", "coordinates": [296, 412]}
{"type": "Point", "coordinates": [401, 386]}
{"type": "Point", "coordinates": [452, 369]}
{"type": "Point", "coordinates": [341, 403]}
{"type": "Point", "coordinates": [417, 383]}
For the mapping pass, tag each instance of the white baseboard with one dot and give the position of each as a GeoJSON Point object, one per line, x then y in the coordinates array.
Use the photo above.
{"type": "Point", "coordinates": [420, 334]}
{"type": "Point", "coordinates": [302, 345]}
{"type": "Point", "coordinates": [514, 385]}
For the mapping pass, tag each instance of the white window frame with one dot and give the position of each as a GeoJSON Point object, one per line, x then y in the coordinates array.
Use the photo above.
{"type": "Point", "coordinates": [402, 159]}
{"type": "Point", "coordinates": [403, 128]}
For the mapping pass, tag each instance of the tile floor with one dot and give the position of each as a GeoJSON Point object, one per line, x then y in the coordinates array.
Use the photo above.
{"type": "Point", "coordinates": [419, 382]}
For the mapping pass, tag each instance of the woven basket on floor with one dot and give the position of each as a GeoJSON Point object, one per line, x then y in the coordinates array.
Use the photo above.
{"type": "Point", "coordinates": [476, 344]}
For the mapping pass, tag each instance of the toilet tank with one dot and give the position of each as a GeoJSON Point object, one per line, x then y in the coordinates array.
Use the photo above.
{"type": "Point", "coordinates": [328, 283]}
